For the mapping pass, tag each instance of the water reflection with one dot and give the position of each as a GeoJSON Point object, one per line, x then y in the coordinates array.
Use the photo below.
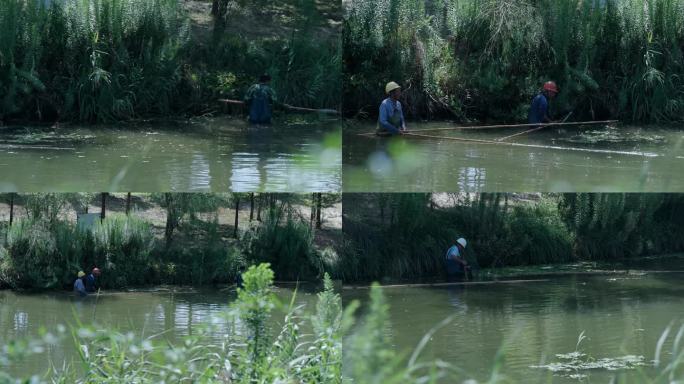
{"type": "Point", "coordinates": [629, 158]}
{"type": "Point", "coordinates": [203, 155]}
{"type": "Point", "coordinates": [170, 315]}
{"type": "Point", "coordinates": [532, 322]}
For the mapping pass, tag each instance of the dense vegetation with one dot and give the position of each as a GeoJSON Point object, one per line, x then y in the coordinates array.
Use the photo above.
{"type": "Point", "coordinates": [45, 249]}
{"type": "Point", "coordinates": [485, 60]}
{"type": "Point", "coordinates": [255, 350]}
{"type": "Point", "coordinates": [406, 235]}
{"type": "Point", "coordinates": [106, 60]}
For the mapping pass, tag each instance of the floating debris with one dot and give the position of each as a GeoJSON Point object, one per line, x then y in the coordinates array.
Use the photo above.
{"type": "Point", "coordinates": [614, 135]}
{"type": "Point", "coordinates": [574, 363]}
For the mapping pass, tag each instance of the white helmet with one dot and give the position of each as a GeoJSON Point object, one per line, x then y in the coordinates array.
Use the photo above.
{"type": "Point", "coordinates": [462, 241]}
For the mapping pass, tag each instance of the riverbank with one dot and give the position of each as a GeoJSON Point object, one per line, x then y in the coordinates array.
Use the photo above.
{"type": "Point", "coordinates": [84, 62]}
{"type": "Point", "coordinates": [653, 265]}
{"type": "Point", "coordinates": [405, 236]}
{"type": "Point", "coordinates": [166, 238]}
{"type": "Point", "coordinates": [485, 60]}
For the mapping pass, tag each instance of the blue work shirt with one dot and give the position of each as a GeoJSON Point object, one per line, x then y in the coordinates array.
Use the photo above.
{"type": "Point", "coordinates": [259, 99]}
{"type": "Point", "coordinates": [79, 287]}
{"type": "Point", "coordinates": [453, 266]}
{"type": "Point", "coordinates": [538, 110]}
{"type": "Point", "coordinates": [388, 110]}
{"type": "Point", "coordinates": [90, 283]}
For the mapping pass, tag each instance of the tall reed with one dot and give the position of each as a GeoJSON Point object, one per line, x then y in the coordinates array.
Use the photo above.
{"type": "Point", "coordinates": [485, 60]}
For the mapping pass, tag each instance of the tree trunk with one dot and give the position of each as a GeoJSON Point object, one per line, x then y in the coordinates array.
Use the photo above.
{"type": "Point", "coordinates": [237, 210]}
{"type": "Point", "coordinates": [214, 7]}
{"type": "Point", "coordinates": [170, 218]}
{"type": "Point", "coordinates": [103, 207]}
{"type": "Point", "coordinates": [251, 207]}
{"type": "Point", "coordinates": [319, 204]}
{"type": "Point", "coordinates": [11, 208]}
{"type": "Point", "coordinates": [313, 209]}
{"type": "Point", "coordinates": [128, 203]}
{"type": "Point", "coordinates": [260, 202]}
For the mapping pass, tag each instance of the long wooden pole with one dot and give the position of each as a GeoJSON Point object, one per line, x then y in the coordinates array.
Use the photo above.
{"type": "Point", "coordinates": [588, 150]}
{"type": "Point", "coordinates": [288, 106]}
{"type": "Point", "coordinates": [452, 284]}
{"type": "Point", "coordinates": [499, 126]}
{"type": "Point", "coordinates": [532, 130]}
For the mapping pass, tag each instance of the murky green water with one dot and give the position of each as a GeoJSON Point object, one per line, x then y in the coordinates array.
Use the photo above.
{"type": "Point", "coordinates": [213, 154]}
{"type": "Point", "coordinates": [144, 313]}
{"type": "Point", "coordinates": [601, 158]}
{"type": "Point", "coordinates": [532, 322]}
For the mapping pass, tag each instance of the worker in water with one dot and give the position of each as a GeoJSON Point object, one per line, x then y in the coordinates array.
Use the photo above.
{"type": "Point", "coordinates": [259, 99]}
{"type": "Point", "coordinates": [391, 119]}
{"type": "Point", "coordinates": [79, 287]}
{"type": "Point", "coordinates": [239, 282]}
{"type": "Point", "coordinates": [539, 110]}
{"type": "Point", "coordinates": [91, 280]}
{"type": "Point", "coordinates": [457, 266]}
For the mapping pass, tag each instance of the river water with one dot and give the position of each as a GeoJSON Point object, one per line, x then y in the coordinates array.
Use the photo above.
{"type": "Point", "coordinates": [204, 154]}
{"type": "Point", "coordinates": [175, 311]}
{"type": "Point", "coordinates": [610, 158]}
{"type": "Point", "coordinates": [533, 322]}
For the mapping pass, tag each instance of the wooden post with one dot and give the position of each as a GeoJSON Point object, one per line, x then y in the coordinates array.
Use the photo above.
{"type": "Point", "coordinates": [251, 207]}
{"type": "Point", "coordinates": [313, 210]}
{"type": "Point", "coordinates": [237, 210]}
{"type": "Point", "coordinates": [260, 202]}
{"type": "Point", "coordinates": [319, 204]}
{"type": "Point", "coordinates": [103, 206]}
{"type": "Point", "coordinates": [128, 203]}
{"type": "Point", "coordinates": [11, 208]}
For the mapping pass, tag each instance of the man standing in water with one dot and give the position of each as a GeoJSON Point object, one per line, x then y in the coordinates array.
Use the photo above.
{"type": "Point", "coordinates": [258, 99]}
{"type": "Point", "coordinates": [90, 280]}
{"type": "Point", "coordinates": [539, 110]}
{"type": "Point", "coordinates": [78, 285]}
{"type": "Point", "coordinates": [391, 118]}
{"type": "Point", "coordinates": [457, 266]}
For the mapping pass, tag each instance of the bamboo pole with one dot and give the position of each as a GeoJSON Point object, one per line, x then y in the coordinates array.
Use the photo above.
{"type": "Point", "coordinates": [522, 133]}
{"type": "Point", "coordinates": [452, 284]}
{"type": "Point", "coordinates": [493, 142]}
{"type": "Point", "coordinates": [499, 126]}
{"type": "Point", "coordinates": [287, 106]}
{"type": "Point", "coordinates": [532, 130]}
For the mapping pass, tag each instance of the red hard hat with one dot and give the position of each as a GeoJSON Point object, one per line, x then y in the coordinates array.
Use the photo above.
{"type": "Point", "coordinates": [551, 86]}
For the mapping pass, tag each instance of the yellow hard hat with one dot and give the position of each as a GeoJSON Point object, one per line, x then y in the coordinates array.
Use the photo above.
{"type": "Point", "coordinates": [81, 273]}
{"type": "Point", "coordinates": [391, 86]}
